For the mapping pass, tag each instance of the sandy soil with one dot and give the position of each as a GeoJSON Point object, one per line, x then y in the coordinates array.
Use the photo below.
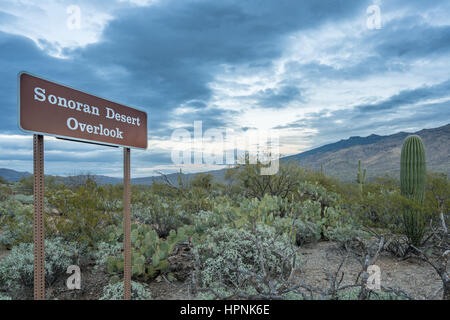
{"type": "Point", "coordinates": [416, 278]}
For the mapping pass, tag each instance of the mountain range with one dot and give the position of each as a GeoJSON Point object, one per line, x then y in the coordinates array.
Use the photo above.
{"type": "Point", "coordinates": [380, 155]}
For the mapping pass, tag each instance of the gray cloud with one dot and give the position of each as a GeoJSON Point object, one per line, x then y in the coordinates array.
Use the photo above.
{"type": "Point", "coordinates": [405, 109]}
{"type": "Point", "coordinates": [270, 98]}
{"type": "Point", "coordinates": [165, 56]}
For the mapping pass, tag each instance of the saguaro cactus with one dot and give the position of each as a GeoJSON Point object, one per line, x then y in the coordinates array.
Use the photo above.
{"type": "Point", "coordinates": [412, 184]}
{"type": "Point", "coordinates": [413, 171]}
{"type": "Point", "coordinates": [360, 177]}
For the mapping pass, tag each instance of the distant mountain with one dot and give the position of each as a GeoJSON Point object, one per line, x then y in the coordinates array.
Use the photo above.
{"type": "Point", "coordinates": [379, 154]}
{"type": "Point", "coordinates": [12, 175]}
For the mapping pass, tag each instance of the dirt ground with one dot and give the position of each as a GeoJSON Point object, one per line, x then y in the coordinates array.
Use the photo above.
{"type": "Point", "coordinates": [413, 276]}
{"type": "Point", "coordinates": [418, 279]}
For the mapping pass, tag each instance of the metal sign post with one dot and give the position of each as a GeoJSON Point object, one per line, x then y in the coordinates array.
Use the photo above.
{"type": "Point", "coordinates": [126, 225]}
{"type": "Point", "coordinates": [39, 232]}
{"type": "Point", "coordinates": [49, 108]}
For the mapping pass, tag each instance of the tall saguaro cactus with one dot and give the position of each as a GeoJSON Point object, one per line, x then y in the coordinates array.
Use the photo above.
{"type": "Point", "coordinates": [360, 177]}
{"type": "Point", "coordinates": [413, 171]}
{"type": "Point", "coordinates": [412, 183]}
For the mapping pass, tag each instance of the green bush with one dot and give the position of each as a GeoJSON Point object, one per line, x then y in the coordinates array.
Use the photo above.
{"type": "Point", "coordinates": [16, 222]}
{"type": "Point", "coordinates": [162, 214]}
{"type": "Point", "coordinates": [306, 232]}
{"type": "Point", "coordinates": [380, 208]}
{"type": "Point", "coordinates": [16, 269]}
{"type": "Point", "coordinates": [115, 291]}
{"type": "Point", "coordinates": [5, 191]}
{"type": "Point", "coordinates": [344, 235]}
{"type": "Point", "coordinates": [82, 217]}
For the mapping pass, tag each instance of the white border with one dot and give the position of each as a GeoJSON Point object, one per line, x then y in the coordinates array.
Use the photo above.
{"type": "Point", "coordinates": [72, 138]}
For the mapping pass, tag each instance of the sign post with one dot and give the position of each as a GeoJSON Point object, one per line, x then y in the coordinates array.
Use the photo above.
{"type": "Point", "coordinates": [49, 108]}
{"type": "Point", "coordinates": [126, 225]}
{"type": "Point", "coordinates": [39, 232]}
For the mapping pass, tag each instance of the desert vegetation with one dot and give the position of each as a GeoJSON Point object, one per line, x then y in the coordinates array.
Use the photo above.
{"type": "Point", "coordinates": [250, 237]}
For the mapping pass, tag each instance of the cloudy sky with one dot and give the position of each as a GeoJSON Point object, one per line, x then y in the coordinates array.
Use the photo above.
{"type": "Point", "coordinates": [313, 72]}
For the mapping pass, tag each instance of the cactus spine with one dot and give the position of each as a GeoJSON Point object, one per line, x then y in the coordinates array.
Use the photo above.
{"type": "Point", "coordinates": [413, 169]}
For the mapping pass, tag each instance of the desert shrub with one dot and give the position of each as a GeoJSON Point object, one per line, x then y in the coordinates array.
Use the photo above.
{"type": "Point", "coordinates": [247, 179]}
{"type": "Point", "coordinates": [227, 257]}
{"type": "Point", "coordinates": [352, 294]}
{"type": "Point", "coordinates": [5, 191]}
{"type": "Point", "coordinates": [206, 220]}
{"type": "Point", "coordinates": [24, 199]}
{"type": "Point", "coordinates": [82, 217]}
{"type": "Point", "coordinates": [344, 235]}
{"type": "Point", "coordinates": [306, 232]}
{"type": "Point", "coordinates": [16, 222]}
{"type": "Point", "coordinates": [437, 199]}
{"type": "Point", "coordinates": [25, 185]}
{"type": "Point", "coordinates": [196, 200]}
{"type": "Point", "coordinates": [202, 181]}
{"type": "Point", "coordinates": [414, 226]}
{"type": "Point", "coordinates": [381, 208]}
{"type": "Point", "coordinates": [2, 297]}
{"type": "Point", "coordinates": [315, 192]}
{"type": "Point", "coordinates": [162, 214]}
{"type": "Point", "coordinates": [408, 218]}
{"type": "Point", "coordinates": [16, 269]}
{"type": "Point", "coordinates": [114, 291]}
{"type": "Point", "coordinates": [103, 251]}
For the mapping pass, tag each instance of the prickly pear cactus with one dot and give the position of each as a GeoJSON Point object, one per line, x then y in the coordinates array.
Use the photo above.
{"type": "Point", "coordinates": [149, 252]}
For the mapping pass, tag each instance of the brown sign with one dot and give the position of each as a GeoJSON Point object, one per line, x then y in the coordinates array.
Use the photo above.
{"type": "Point", "coordinates": [49, 108]}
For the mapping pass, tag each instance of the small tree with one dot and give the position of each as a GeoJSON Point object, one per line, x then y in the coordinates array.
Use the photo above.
{"type": "Point", "coordinates": [251, 183]}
